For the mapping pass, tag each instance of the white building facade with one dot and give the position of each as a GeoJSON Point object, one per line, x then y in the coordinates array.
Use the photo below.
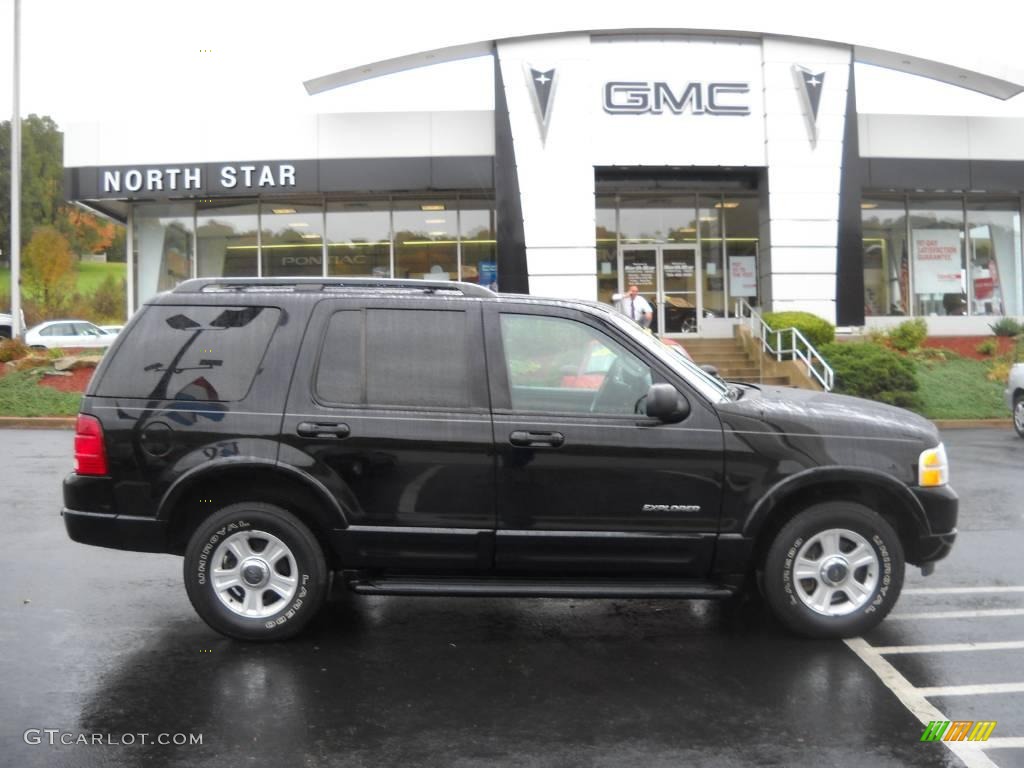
{"type": "Point", "coordinates": [709, 170]}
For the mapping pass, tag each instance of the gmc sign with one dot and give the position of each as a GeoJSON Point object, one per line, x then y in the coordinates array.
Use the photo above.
{"type": "Point", "coordinates": [642, 97]}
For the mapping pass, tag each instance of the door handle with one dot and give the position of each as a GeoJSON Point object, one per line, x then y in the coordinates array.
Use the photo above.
{"type": "Point", "coordinates": [550, 439]}
{"type": "Point", "coordinates": [322, 429]}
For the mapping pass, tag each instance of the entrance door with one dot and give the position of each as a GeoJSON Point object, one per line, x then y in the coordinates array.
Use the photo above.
{"type": "Point", "coordinates": [667, 277]}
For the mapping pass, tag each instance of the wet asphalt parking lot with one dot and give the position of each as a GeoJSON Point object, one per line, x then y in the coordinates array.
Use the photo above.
{"type": "Point", "coordinates": [103, 645]}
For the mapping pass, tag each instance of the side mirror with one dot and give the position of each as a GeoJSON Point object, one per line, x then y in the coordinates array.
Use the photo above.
{"type": "Point", "coordinates": [666, 404]}
{"type": "Point", "coordinates": [710, 369]}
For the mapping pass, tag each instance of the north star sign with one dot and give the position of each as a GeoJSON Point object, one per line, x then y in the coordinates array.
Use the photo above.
{"type": "Point", "coordinates": [656, 97]}
{"type": "Point", "coordinates": [190, 178]}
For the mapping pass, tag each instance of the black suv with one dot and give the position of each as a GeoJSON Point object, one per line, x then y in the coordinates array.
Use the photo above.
{"type": "Point", "coordinates": [435, 438]}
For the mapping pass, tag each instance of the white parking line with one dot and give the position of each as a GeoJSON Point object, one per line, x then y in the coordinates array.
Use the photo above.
{"type": "Point", "coordinates": [979, 614]}
{"type": "Point", "coordinates": [1005, 742]}
{"type": "Point", "coordinates": [970, 753]}
{"type": "Point", "coordinates": [971, 690]}
{"type": "Point", "coordinates": [958, 590]}
{"type": "Point", "coordinates": [1008, 645]}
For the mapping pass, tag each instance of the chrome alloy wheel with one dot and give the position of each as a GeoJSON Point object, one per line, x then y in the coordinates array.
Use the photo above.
{"type": "Point", "coordinates": [254, 574]}
{"type": "Point", "coordinates": [1018, 415]}
{"type": "Point", "coordinates": [835, 572]}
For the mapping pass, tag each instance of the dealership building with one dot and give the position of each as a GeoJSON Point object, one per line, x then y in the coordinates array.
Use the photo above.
{"type": "Point", "coordinates": [708, 169]}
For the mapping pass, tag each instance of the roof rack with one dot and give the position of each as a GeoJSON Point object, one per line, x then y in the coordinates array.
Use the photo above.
{"type": "Point", "coordinates": [316, 284]}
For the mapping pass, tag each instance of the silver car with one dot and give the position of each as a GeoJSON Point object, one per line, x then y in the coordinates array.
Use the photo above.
{"type": "Point", "coordinates": [62, 334]}
{"type": "Point", "coordinates": [1015, 397]}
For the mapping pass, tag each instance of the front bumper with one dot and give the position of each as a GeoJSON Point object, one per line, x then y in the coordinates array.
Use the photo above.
{"type": "Point", "coordinates": [941, 506]}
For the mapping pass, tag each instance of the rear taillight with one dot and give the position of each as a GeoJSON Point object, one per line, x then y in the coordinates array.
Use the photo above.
{"type": "Point", "coordinates": [90, 452]}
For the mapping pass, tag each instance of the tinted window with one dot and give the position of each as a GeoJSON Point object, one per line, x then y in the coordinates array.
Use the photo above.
{"type": "Point", "coordinates": [341, 375]}
{"type": "Point", "coordinates": [191, 353]}
{"type": "Point", "coordinates": [413, 357]}
{"type": "Point", "coordinates": [560, 365]}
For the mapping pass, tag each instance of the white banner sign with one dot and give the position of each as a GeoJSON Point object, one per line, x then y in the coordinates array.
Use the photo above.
{"type": "Point", "coordinates": [937, 261]}
{"type": "Point", "coordinates": [742, 276]}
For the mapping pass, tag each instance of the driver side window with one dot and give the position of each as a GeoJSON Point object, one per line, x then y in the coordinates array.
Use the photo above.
{"type": "Point", "coordinates": [556, 365]}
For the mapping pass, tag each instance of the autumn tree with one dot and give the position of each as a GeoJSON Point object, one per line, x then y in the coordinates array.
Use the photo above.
{"type": "Point", "coordinates": [48, 270]}
{"type": "Point", "coordinates": [85, 232]}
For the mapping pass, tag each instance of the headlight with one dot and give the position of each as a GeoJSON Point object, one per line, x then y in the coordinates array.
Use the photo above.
{"type": "Point", "coordinates": [933, 467]}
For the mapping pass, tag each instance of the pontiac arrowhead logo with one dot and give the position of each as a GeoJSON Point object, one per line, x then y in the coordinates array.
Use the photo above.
{"type": "Point", "coordinates": [542, 91]}
{"type": "Point", "coordinates": [810, 85]}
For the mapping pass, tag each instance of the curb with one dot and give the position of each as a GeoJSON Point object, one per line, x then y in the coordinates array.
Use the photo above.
{"type": "Point", "coordinates": [37, 422]}
{"type": "Point", "coordinates": [973, 423]}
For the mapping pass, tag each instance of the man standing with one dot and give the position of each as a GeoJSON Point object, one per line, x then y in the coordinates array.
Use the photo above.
{"type": "Point", "coordinates": [634, 306]}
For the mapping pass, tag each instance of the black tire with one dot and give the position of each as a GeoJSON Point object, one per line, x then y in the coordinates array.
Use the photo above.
{"type": "Point", "coordinates": [857, 601]}
{"type": "Point", "coordinates": [1018, 414]}
{"type": "Point", "coordinates": [250, 528]}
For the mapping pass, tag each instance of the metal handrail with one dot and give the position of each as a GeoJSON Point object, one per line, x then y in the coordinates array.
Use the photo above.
{"type": "Point", "coordinates": [811, 358]}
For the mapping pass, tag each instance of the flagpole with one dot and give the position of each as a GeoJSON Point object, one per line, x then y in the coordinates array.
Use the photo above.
{"type": "Point", "coordinates": [16, 328]}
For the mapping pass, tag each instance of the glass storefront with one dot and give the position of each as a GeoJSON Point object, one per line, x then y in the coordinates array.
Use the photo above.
{"type": "Point", "coordinates": [941, 255]}
{"type": "Point", "coordinates": [679, 250]}
{"type": "Point", "coordinates": [452, 237]}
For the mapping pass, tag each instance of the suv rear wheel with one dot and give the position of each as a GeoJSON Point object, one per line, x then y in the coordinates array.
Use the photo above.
{"type": "Point", "coordinates": [254, 571]}
{"type": "Point", "coordinates": [834, 570]}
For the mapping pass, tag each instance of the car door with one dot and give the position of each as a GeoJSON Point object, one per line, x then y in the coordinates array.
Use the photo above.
{"type": "Point", "coordinates": [88, 335]}
{"type": "Point", "coordinates": [586, 481]}
{"type": "Point", "coordinates": [60, 335]}
{"type": "Point", "coordinates": [389, 410]}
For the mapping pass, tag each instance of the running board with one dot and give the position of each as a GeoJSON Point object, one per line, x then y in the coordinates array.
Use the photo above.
{"type": "Point", "coordinates": [533, 587]}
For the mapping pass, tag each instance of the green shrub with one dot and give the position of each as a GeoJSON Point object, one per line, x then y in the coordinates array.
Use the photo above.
{"type": "Point", "coordinates": [1006, 326]}
{"type": "Point", "coordinates": [987, 347]}
{"type": "Point", "coordinates": [816, 330]}
{"type": "Point", "coordinates": [12, 349]}
{"type": "Point", "coordinates": [108, 299]}
{"type": "Point", "coordinates": [909, 334]}
{"type": "Point", "coordinates": [874, 372]}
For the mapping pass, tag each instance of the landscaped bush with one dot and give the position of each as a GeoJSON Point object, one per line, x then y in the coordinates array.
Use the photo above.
{"type": "Point", "coordinates": [1006, 326]}
{"type": "Point", "coordinates": [909, 334]}
{"type": "Point", "coordinates": [874, 372]}
{"type": "Point", "coordinates": [815, 329]}
{"type": "Point", "coordinates": [987, 348]}
{"type": "Point", "coordinates": [12, 349]}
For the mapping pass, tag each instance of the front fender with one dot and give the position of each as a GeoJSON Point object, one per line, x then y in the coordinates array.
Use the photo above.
{"type": "Point", "coordinates": [817, 476]}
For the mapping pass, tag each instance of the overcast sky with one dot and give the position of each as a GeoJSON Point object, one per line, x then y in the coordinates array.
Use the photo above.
{"type": "Point", "coordinates": [188, 59]}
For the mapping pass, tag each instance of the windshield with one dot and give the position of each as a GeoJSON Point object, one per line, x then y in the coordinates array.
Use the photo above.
{"type": "Point", "coordinates": [713, 389]}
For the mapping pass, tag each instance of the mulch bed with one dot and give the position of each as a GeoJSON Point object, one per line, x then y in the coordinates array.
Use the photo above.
{"type": "Point", "coordinates": [967, 345]}
{"type": "Point", "coordinates": [76, 382]}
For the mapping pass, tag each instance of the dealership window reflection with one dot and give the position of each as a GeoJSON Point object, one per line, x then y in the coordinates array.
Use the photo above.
{"type": "Point", "coordinates": [292, 239]}
{"type": "Point", "coordinates": [227, 240]}
{"type": "Point", "coordinates": [359, 238]}
{"type": "Point", "coordinates": [426, 239]}
{"type": "Point", "coordinates": [163, 245]}
{"type": "Point", "coordinates": [994, 256]}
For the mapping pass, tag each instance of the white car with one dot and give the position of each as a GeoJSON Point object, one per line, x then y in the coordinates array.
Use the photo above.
{"type": "Point", "coordinates": [7, 323]}
{"type": "Point", "coordinates": [114, 329]}
{"type": "Point", "coordinates": [1015, 397]}
{"type": "Point", "coordinates": [60, 334]}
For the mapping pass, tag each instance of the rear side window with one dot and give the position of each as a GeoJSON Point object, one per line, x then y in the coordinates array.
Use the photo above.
{"type": "Point", "coordinates": [411, 357]}
{"type": "Point", "coordinates": [191, 353]}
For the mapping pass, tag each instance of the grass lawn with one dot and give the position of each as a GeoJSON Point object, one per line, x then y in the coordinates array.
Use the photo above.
{"type": "Point", "coordinates": [21, 395]}
{"type": "Point", "coordinates": [89, 276]}
{"type": "Point", "coordinates": [958, 389]}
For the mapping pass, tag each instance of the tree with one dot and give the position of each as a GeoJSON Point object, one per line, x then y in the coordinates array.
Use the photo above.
{"type": "Point", "coordinates": [85, 233]}
{"type": "Point", "coordinates": [48, 273]}
{"type": "Point", "coordinates": [42, 176]}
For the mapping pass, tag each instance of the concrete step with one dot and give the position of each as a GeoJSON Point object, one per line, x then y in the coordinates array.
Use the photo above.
{"type": "Point", "coordinates": [739, 373]}
{"type": "Point", "coordinates": [724, 359]}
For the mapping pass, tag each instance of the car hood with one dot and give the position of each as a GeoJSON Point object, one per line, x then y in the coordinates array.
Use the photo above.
{"type": "Point", "coordinates": [804, 411]}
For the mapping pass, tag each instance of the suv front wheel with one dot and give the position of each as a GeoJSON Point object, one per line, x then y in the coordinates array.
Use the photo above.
{"type": "Point", "coordinates": [254, 571]}
{"type": "Point", "coordinates": [834, 570]}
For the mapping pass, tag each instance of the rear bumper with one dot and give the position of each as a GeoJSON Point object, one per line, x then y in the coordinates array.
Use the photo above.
{"type": "Point", "coordinates": [941, 507]}
{"type": "Point", "coordinates": [138, 534]}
